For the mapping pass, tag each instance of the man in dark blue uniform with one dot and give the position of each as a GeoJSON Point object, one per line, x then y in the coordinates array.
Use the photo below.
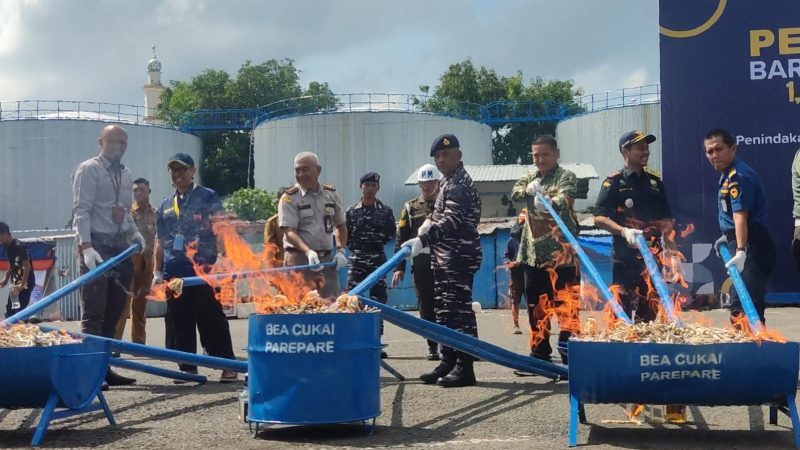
{"type": "Point", "coordinates": [452, 234]}
{"type": "Point", "coordinates": [370, 225]}
{"type": "Point", "coordinates": [20, 272]}
{"type": "Point", "coordinates": [742, 203]}
{"type": "Point", "coordinates": [184, 219]}
{"type": "Point", "coordinates": [632, 201]}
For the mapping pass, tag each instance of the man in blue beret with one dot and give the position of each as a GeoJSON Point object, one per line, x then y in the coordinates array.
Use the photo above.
{"type": "Point", "coordinates": [452, 234]}
{"type": "Point", "coordinates": [370, 225]}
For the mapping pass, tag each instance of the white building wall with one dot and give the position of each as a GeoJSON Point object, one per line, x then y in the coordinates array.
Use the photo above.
{"type": "Point", "coordinates": [38, 158]}
{"type": "Point", "coordinates": [593, 138]}
{"type": "Point", "coordinates": [351, 144]}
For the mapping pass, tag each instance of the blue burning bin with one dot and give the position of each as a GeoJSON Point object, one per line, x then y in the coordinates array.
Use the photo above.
{"type": "Point", "coordinates": [313, 368]}
{"type": "Point", "coordinates": [710, 375]}
{"type": "Point", "coordinates": [63, 376]}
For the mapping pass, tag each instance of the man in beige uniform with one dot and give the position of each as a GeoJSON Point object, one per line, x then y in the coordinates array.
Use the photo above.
{"type": "Point", "coordinates": [308, 214]}
{"type": "Point", "coordinates": [143, 265]}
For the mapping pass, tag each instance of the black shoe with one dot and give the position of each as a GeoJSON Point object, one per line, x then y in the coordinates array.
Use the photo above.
{"type": "Point", "coordinates": [433, 355]}
{"type": "Point", "coordinates": [115, 379]}
{"type": "Point", "coordinates": [104, 386]}
{"type": "Point", "coordinates": [541, 357]}
{"type": "Point", "coordinates": [462, 375]}
{"type": "Point", "coordinates": [440, 371]}
{"type": "Point", "coordinates": [384, 355]}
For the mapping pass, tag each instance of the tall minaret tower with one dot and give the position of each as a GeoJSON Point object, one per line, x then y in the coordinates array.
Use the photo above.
{"type": "Point", "coordinates": [152, 90]}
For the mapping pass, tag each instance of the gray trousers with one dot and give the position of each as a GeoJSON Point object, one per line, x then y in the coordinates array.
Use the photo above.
{"type": "Point", "coordinates": [103, 299]}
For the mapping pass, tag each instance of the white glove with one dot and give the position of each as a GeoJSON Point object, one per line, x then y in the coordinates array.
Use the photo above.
{"type": "Point", "coordinates": [313, 259]}
{"type": "Point", "coordinates": [538, 204]}
{"type": "Point", "coordinates": [630, 235]}
{"type": "Point", "coordinates": [533, 187]}
{"type": "Point", "coordinates": [139, 239]}
{"type": "Point", "coordinates": [341, 260]}
{"type": "Point", "coordinates": [416, 246]}
{"type": "Point", "coordinates": [91, 258]}
{"type": "Point", "coordinates": [158, 278]}
{"type": "Point", "coordinates": [723, 240]}
{"type": "Point", "coordinates": [425, 227]}
{"type": "Point", "coordinates": [737, 260]}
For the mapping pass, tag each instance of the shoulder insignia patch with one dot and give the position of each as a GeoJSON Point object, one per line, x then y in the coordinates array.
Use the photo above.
{"type": "Point", "coordinates": [286, 198]}
{"type": "Point", "coordinates": [652, 172]}
{"type": "Point", "coordinates": [329, 187]}
{"type": "Point", "coordinates": [732, 173]}
{"type": "Point", "coordinates": [614, 174]}
{"type": "Point", "coordinates": [292, 190]}
{"type": "Point", "coordinates": [606, 184]}
{"type": "Point", "coordinates": [734, 192]}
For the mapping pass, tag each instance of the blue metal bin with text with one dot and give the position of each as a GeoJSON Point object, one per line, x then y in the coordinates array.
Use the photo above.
{"type": "Point", "coordinates": [709, 374]}
{"type": "Point", "coordinates": [66, 377]}
{"type": "Point", "coordinates": [309, 369]}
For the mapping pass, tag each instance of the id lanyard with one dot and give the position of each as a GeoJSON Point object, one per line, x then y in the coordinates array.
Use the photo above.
{"type": "Point", "coordinates": [178, 243]}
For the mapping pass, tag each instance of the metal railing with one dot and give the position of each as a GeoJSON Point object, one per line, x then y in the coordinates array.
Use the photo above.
{"type": "Point", "coordinates": [67, 109]}
{"type": "Point", "coordinates": [498, 112]}
{"type": "Point", "coordinates": [650, 93]}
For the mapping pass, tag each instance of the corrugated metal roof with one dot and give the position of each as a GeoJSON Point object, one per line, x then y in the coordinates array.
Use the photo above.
{"type": "Point", "coordinates": [513, 172]}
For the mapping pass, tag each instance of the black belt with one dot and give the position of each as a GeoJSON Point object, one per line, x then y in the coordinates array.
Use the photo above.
{"type": "Point", "coordinates": [319, 252]}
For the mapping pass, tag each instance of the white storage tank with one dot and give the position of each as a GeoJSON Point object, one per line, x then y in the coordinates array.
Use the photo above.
{"type": "Point", "coordinates": [593, 138]}
{"type": "Point", "coordinates": [350, 144]}
{"type": "Point", "coordinates": [39, 155]}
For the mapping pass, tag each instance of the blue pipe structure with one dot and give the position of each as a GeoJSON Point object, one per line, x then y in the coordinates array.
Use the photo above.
{"type": "Point", "coordinates": [157, 371]}
{"type": "Point", "coordinates": [196, 281]}
{"type": "Point", "coordinates": [446, 336]}
{"type": "Point", "coordinates": [657, 279]}
{"type": "Point", "coordinates": [586, 263]}
{"type": "Point", "coordinates": [744, 296]}
{"type": "Point", "coordinates": [467, 344]}
{"type": "Point", "coordinates": [166, 354]}
{"type": "Point", "coordinates": [75, 284]}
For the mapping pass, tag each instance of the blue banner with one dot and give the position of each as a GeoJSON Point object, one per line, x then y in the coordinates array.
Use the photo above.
{"type": "Point", "coordinates": [732, 65]}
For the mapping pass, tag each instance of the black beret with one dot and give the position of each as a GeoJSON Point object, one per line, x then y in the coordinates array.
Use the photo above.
{"type": "Point", "coordinates": [444, 142]}
{"type": "Point", "coordinates": [370, 177]}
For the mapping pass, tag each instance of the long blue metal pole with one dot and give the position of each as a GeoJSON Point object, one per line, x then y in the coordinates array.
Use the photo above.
{"type": "Point", "coordinates": [75, 284]}
{"type": "Point", "coordinates": [468, 344]}
{"type": "Point", "coordinates": [196, 281]}
{"type": "Point", "coordinates": [744, 296]}
{"type": "Point", "coordinates": [657, 279]}
{"type": "Point", "coordinates": [166, 354]}
{"type": "Point", "coordinates": [157, 371]}
{"type": "Point", "coordinates": [586, 263]}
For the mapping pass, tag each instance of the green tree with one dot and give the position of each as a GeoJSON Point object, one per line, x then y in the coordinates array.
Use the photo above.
{"type": "Point", "coordinates": [227, 155]}
{"type": "Point", "coordinates": [463, 87]}
{"type": "Point", "coordinates": [251, 204]}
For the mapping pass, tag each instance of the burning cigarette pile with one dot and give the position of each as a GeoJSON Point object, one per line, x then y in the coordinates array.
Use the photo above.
{"type": "Point", "coordinates": [312, 303]}
{"type": "Point", "coordinates": [33, 336]}
{"type": "Point", "coordinates": [664, 333]}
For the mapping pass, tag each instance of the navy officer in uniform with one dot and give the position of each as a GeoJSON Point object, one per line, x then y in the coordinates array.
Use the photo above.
{"type": "Point", "coordinates": [632, 201]}
{"type": "Point", "coordinates": [308, 214]}
{"type": "Point", "coordinates": [742, 204]}
{"type": "Point", "coordinates": [370, 225]}
{"type": "Point", "coordinates": [452, 235]}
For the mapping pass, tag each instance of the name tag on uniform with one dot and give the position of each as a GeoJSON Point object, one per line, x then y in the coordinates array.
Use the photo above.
{"type": "Point", "coordinates": [177, 244]}
{"type": "Point", "coordinates": [328, 223]}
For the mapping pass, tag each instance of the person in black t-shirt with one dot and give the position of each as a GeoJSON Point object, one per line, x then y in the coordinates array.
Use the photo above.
{"type": "Point", "coordinates": [20, 272]}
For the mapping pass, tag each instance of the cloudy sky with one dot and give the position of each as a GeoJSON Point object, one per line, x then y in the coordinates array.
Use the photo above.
{"type": "Point", "coordinates": [97, 50]}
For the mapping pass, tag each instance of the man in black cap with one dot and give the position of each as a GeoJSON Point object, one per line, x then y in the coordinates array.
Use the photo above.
{"type": "Point", "coordinates": [370, 225]}
{"type": "Point", "coordinates": [452, 234]}
{"type": "Point", "coordinates": [184, 219]}
{"type": "Point", "coordinates": [631, 202]}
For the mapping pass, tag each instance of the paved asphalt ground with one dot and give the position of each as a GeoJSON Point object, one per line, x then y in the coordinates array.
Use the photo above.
{"type": "Point", "coordinates": [502, 411]}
